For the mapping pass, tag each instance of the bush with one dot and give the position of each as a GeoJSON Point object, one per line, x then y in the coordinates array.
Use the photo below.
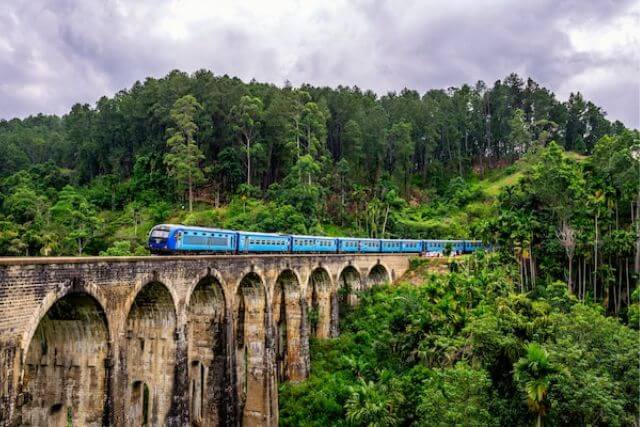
{"type": "Point", "coordinates": [119, 248]}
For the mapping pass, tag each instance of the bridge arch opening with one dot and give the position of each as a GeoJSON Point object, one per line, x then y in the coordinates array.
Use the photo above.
{"type": "Point", "coordinates": [345, 297]}
{"type": "Point", "coordinates": [287, 316]}
{"type": "Point", "coordinates": [378, 276]}
{"type": "Point", "coordinates": [209, 375]}
{"type": "Point", "coordinates": [250, 327]}
{"type": "Point", "coordinates": [319, 303]}
{"type": "Point", "coordinates": [150, 355]}
{"type": "Point", "coordinates": [65, 371]}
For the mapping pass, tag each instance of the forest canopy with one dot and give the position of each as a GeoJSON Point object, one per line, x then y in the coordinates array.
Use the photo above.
{"type": "Point", "coordinates": [553, 184]}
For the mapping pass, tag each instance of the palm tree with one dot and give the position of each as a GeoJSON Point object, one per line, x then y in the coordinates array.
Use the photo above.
{"type": "Point", "coordinates": [372, 405]}
{"type": "Point", "coordinates": [533, 373]}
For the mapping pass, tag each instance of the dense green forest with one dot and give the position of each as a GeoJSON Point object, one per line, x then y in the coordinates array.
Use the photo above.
{"type": "Point", "coordinates": [554, 184]}
{"type": "Point", "coordinates": [516, 337]}
{"type": "Point", "coordinates": [470, 349]}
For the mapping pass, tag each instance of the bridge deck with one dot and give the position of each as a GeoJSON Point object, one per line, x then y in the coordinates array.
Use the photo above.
{"type": "Point", "coordinates": [163, 258]}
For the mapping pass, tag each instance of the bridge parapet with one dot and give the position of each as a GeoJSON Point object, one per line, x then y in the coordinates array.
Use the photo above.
{"type": "Point", "coordinates": [168, 340]}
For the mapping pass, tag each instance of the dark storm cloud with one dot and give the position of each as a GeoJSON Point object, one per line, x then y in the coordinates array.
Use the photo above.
{"type": "Point", "coordinates": [56, 53]}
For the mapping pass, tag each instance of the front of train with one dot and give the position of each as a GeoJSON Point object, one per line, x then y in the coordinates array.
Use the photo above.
{"type": "Point", "coordinates": [159, 239]}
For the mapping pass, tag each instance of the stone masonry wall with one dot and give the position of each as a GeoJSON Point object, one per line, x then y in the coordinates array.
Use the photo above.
{"type": "Point", "coordinates": [179, 340]}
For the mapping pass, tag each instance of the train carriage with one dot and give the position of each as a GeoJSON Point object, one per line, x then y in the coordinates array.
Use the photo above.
{"type": "Point", "coordinates": [180, 238]}
{"type": "Point", "coordinates": [456, 246]}
{"type": "Point", "coordinates": [263, 242]}
{"type": "Point", "coordinates": [348, 245]}
{"type": "Point", "coordinates": [369, 245]}
{"type": "Point", "coordinates": [473, 245]}
{"type": "Point", "coordinates": [390, 245]}
{"type": "Point", "coordinates": [433, 246]}
{"type": "Point", "coordinates": [410, 246]}
{"type": "Point", "coordinates": [314, 244]}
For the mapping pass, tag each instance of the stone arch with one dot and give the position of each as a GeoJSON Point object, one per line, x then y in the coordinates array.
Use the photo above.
{"type": "Point", "coordinates": [209, 375]}
{"type": "Point", "coordinates": [378, 275]}
{"type": "Point", "coordinates": [250, 330]}
{"type": "Point", "coordinates": [344, 297]}
{"type": "Point", "coordinates": [319, 303]}
{"type": "Point", "coordinates": [142, 282]}
{"type": "Point", "coordinates": [291, 339]}
{"type": "Point", "coordinates": [52, 298]}
{"type": "Point", "coordinates": [149, 355]}
{"type": "Point", "coordinates": [65, 376]}
{"type": "Point", "coordinates": [212, 274]}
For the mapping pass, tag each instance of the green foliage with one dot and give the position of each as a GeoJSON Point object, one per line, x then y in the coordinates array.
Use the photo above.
{"type": "Point", "coordinates": [119, 248]}
{"type": "Point", "coordinates": [78, 217]}
{"type": "Point", "coordinates": [466, 349]}
{"type": "Point", "coordinates": [456, 396]}
{"type": "Point", "coordinates": [184, 156]}
{"type": "Point", "coordinates": [572, 218]}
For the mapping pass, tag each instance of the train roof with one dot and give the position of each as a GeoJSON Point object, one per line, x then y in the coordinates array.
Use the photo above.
{"type": "Point", "coordinates": [260, 233]}
{"type": "Point", "coordinates": [356, 238]}
{"type": "Point", "coordinates": [194, 227]}
{"type": "Point", "coordinates": [304, 236]}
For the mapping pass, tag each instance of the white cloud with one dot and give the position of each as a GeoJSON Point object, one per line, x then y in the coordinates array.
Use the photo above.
{"type": "Point", "coordinates": [76, 51]}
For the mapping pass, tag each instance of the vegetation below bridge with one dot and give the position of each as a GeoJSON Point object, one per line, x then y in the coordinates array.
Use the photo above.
{"type": "Point", "coordinates": [468, 349]}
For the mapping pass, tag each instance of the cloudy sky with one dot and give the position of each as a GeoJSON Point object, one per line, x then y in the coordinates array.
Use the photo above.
{"type": "Point", "coordinates": [54, 53]}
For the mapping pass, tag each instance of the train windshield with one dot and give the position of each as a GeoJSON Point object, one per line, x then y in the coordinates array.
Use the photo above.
{"type": "Point", "coordinates": [160, 233]}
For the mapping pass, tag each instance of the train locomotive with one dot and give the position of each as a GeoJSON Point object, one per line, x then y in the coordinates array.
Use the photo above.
{"type": "Point", "coordinates": [182, 239]}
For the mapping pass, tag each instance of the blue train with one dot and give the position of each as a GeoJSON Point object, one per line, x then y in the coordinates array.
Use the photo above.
{"type": "Point", "coordinates": [183, 239]}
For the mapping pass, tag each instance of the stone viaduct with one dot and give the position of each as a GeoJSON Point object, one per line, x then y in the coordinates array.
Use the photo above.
{"type": "Point", "coordinates": [176, 340]}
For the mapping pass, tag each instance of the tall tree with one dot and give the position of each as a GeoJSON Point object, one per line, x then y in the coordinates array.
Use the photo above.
{"type": "Point", "coordinates": [400, 151]}
{"type": "Point", "coordinates": [520, 135]}
{"type": "Point", "coordinates": [246, 118]}
{"type": "Point", "coordinates": [533, 373]}
{"type": "Point", "coordinates": [184, 156]}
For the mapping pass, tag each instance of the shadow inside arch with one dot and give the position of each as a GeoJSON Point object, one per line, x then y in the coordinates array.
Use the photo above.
{"type": "Point", "coordinates": [65, 362]}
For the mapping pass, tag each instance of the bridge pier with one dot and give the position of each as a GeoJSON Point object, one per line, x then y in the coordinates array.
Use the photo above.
{"type": "Point", "coordinates": [185, 340]}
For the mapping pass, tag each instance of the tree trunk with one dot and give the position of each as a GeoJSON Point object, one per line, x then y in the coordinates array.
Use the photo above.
{"type": "Point", "coordinates": [405, 179]}
{"type": "Point", "coordinates": [570, 281]}
{"type": "Point", "coordinates": [626, 262]}
{"type": "Point", "coordinates": [595, 262]}
{"type": "Point", "coordinates": [190, 194]}
{"type": "Point", "coordinates": [579, 279]}
{"type": "Point", "coordinates": [532, 266]}
{"type": "Point", "coordinates": [637, 257]}
{"type": "Point", "coordinates": [384, 224]}
{"type": "Point", "coordinates": [521, 269]}
{"type": "Point", "coordinates": [248, 160]}
{"type": "Point", "coordinates": [297, 138]}
{"type": "Point", "coordinates": [342, 200]}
